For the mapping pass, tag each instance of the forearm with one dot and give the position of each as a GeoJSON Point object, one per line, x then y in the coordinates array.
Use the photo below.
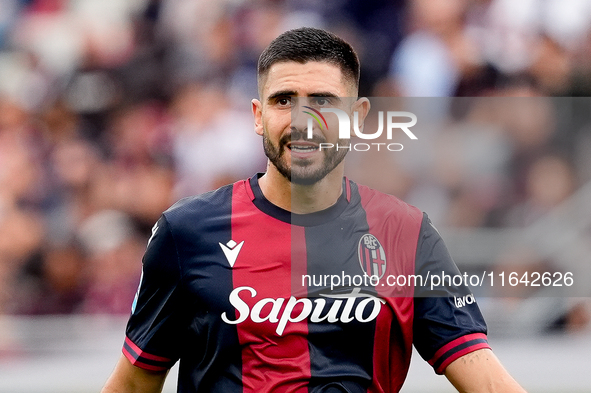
{"type": "Point", "coordinates": [127, 378]}
{"type": "Point", "coordinates": [481, 372]}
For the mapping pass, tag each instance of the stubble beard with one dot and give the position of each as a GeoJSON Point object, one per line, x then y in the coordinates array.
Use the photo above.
{"type": "Point", "coordinates": [303, 173]}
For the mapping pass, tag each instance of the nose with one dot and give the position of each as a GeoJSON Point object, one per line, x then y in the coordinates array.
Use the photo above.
{"type": "Point", "coordinates": [300, 120]}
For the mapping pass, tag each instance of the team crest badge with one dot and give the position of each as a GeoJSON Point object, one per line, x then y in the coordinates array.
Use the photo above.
{"type": "Point", "coordinates": [372, 256]}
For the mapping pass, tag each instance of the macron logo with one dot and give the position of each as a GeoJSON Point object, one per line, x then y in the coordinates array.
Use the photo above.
{"type": "Point", "coordinates": [231, 251]}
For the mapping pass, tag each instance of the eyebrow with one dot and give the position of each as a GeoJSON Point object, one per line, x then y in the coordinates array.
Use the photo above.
{"type": "Point", "coordinates": [281, 93]}
{"type": "Point", "coordinates": [291, 93]}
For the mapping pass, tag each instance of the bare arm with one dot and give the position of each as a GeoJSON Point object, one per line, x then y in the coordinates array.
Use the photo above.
{"type": "Point", "coordinates": [127, 378]}
{"type": "Point", "coordinates": [481, 372]}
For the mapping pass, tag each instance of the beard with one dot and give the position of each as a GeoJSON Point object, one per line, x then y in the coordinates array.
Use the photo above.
{"type": "Point", "coordinates": [304, 171]}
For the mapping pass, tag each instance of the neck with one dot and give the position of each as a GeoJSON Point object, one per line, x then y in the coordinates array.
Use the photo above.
{"type": "Point", "coordinates": [302, 199]}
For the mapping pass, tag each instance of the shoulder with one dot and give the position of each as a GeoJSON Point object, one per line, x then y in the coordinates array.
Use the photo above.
{"type": "Point", "coordinates": [386, 205]}
{"type": "Point", "coordinates": [193, 210]}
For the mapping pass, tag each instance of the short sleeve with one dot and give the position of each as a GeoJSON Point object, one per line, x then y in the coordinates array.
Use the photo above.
{"type": "Point", "coordinates": [447, 321]}
{"type": "Point", "coordinates": [153, 331]}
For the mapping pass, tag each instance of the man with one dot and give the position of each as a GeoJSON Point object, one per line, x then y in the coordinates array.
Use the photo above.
{"type": "Point", "coordinates": [233, 279]}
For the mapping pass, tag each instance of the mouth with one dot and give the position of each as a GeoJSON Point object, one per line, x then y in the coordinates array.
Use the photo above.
{"type": "Point", "coordinates": [302, 147]}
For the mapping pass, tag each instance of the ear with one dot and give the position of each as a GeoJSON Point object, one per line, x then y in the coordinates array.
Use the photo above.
{"type": "Point", "coordinates": [362, 107]}
{"type": "Point", "coordinates": [257, 112]}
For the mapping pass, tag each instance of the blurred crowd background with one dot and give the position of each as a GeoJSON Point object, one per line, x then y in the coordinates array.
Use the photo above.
{"type": "Point", "coordinates": [111, 110]}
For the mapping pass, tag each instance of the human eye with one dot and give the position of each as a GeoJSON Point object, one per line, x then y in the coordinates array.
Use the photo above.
{"type": "Point", "coordinates": [321, 101]}
{"type": "Point", "coordinates": [284, 101]}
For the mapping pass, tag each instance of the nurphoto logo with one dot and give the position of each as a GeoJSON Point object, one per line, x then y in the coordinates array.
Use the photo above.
{"type": "Point", "coordinates": [393, 122]}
